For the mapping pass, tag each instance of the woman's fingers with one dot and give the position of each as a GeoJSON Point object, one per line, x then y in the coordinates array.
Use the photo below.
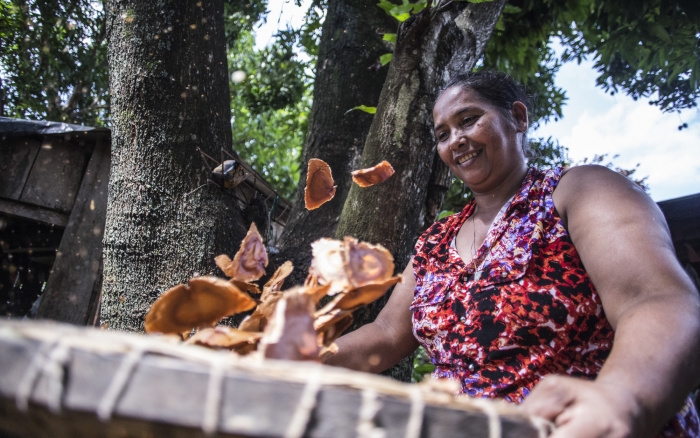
{"type": "Point", "coordinates": [549, 398]}
{"type": "Point", "coordinates": [582, 408]}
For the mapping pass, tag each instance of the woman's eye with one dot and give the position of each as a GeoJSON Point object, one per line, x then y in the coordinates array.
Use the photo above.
{"type": "Point", "coordinates": [442, 136]}
{"type": "Point", "coordinates": [468, 121]}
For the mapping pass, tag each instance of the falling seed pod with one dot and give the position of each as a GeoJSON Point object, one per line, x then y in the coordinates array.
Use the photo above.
{"type": "Point", "coordinates": [203, 302]}
{"type": "Point", "coordinates": [367, 263]}
{"type": "Point", "coordinates": [372, 175]}
{"type": "Point", "coordinates": [275, 282]}
{"type": "Point", "coordinates": [249, 262]}
{"type": "Point", "coordinates": [319, 184]}
{"type": "Point", "coordinates": [349, 264]}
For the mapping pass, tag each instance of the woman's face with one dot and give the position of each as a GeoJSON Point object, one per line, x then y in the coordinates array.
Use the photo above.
{"type": "Point", "coordinates": [480, 145]}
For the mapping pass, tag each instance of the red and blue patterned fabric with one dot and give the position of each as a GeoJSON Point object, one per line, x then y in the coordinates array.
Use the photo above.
{"type": "Point", "coordinates": [523, 308]}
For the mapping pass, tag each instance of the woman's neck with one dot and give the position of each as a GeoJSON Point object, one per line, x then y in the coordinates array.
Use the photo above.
{"type": "Point", "coordinates": [490, 203]}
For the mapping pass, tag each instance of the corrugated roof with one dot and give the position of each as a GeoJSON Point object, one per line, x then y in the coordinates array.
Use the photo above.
{"type": "Point", "coordinates": [12, 127]}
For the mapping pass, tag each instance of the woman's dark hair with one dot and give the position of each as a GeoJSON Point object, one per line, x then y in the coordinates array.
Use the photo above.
{"type": "Point", "coordinates": [498, 89]}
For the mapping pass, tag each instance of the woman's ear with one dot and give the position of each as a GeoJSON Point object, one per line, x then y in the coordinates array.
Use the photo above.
{"type": "Point", "coordinates": [520, 114]}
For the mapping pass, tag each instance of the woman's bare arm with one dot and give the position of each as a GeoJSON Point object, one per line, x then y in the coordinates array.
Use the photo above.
{"type": "Point", "coordinates": [625, 245]}
{"type": "Point", "coordinates": [383, 343]}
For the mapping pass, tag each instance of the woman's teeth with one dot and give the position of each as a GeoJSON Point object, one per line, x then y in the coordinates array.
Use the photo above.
{"type": "Point", "coordinates": [468, 157]}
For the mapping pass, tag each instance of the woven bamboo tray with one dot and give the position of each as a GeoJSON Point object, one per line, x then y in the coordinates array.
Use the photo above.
{"type": "Point", "coordinates": [66, 381]}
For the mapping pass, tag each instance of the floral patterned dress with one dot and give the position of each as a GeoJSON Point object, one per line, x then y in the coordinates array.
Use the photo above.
{"type": "Point", "coordinates": [523, 308]}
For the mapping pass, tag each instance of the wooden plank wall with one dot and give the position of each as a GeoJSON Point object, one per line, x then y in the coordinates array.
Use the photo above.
{"type": "Point", "coordinates": [73, 287]}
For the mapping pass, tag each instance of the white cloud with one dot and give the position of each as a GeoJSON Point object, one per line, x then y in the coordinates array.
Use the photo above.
{"type": "Point", "coordinates": [642, 134]}
{"type": "Point", "coordinates": [596, 123]}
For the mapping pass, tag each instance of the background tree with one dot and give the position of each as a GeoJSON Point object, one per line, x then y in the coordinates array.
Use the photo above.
{"type": "Point", "coordinates": [53, 61]}
{"type": "Point", "coordinates": [347, 75]}
{"type": "Point", "coordinates": [169, 87]}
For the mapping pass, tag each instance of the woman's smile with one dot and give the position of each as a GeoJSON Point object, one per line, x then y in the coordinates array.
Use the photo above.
{"type": "Point", "coordinates": [465, 159]}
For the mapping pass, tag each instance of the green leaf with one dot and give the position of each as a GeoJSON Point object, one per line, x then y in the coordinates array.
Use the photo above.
{"type": "Point", "coordinates": [367, 109]}
{"type": "Point", "coordinates": [387, 6]}
{"type": "Point", "coordinates": [499, 24]}
{"type": "Point", "coordinates": [445, 213]}
{"type": "Point", "coordinates": [385, 58]}
{"type": "Point", "coordinates": [389, 37]}
{"type": "Point", "coordinates": [425, 368]}
{"type": "Point", "coordinates": [510, 9]}
{"type": "Point", "coordinates": [659, 31]}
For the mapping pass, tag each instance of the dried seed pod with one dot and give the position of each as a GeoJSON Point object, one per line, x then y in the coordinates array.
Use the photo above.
{"type": "Point", "coordinates": [203, 302]}
{"type": "Point", "coordinates": [290, 334]}
{"type": "Point", "coordinates": [327, 352]}
{"type": "Point", "coordinates": [249, 262]}
{"type": "Point", "coordinates": [223, 337]}
{"type": "Point", "coordinates": [258, 320]}
{"type": "Point", "coordinates": [349, 264]}
{"type": "Point", "coordinates": [328, 264]}
{"type": "Point", "coordinates": [319, 184]}
{"type": "Point", "coordinates": [251, 288]}
{"type": "Point", "coordinates": [332, 331]}
{"type": "Point", "coordinates": [367, 263]}
{"type": "Point", "coordinates": [275, 282]}
{"type": "Point", "coordinates": [363, 295]}
{"type": "Point", "coordinates": [372, 175]}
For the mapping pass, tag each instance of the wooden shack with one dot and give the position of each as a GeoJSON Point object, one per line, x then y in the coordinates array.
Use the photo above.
{"type": "Point", "coordinates": [53, 200]}
{"type": "Point", "coordinates": [683, 217]}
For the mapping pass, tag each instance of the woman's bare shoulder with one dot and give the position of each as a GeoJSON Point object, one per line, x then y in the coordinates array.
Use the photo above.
{"type": "Point", "coordinates": [593, 186]}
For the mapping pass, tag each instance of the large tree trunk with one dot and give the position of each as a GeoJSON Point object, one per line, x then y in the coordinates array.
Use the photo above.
{"type": "Point", "coordinates": [169, 88]}
{"type": "Point", "coordinates": [431, 47]}
{"type": "Point", "coordinates": [347, 75]}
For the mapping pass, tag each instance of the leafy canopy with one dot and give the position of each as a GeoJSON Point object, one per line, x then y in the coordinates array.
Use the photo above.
{"type": "Point", "coordinates": [53, 61]}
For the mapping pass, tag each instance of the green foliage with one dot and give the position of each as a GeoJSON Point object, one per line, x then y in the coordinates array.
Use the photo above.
{"type": "Point", "coordinates": [520, 47]}
{"type": "Point", "coordinates": [548, 153]}
{"type": "Point", "coordinates": [402, 11]}
{"type": "Point", "coordinates": [309, 35]}
{"type": "Point", "coordinates": [275, 78]}
{"type": "Point", "coordinates": [53, 57]}
{"type": "Point", "coordinates": [391, 37]}
{"type": "Point", "coordinates": [421, 365]}
{"type": "Point", "coordinates": [365, 108]}
{"type": "Point", "coordinates": [646, 48]}
{"type": "Point", "coordinates": [53, 61]}
{"type": "Point", "coordinates": [272, 142]}
{"type": "Point", "coordinates": [385, 58]}
{"type": "Point", "coordinates": [270, 110]}
{"type": "Point", "coordinates": [240, 16]}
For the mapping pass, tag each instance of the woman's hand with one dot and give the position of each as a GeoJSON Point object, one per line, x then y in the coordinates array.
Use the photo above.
{"type": "Point", "coordinates": [585, 409]}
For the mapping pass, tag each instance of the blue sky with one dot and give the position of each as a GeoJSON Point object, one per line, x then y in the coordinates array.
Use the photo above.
{"type": "Point", "coordinates": [594, 123]}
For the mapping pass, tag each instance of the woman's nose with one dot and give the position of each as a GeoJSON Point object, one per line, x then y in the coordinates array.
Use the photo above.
{"type": "Point", "coordinates": [457, 140]}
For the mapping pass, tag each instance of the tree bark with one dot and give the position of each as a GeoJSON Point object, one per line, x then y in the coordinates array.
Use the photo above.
{"type": "Point", "coordinates": [347, 75]}
{"type": "Point", "coordinates": [170, 96]}
{"type": "Point", "coordinates": [431, 47]}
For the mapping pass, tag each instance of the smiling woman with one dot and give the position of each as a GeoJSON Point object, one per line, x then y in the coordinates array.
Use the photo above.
{"type": "Point", "coordinates": [535, 293]}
